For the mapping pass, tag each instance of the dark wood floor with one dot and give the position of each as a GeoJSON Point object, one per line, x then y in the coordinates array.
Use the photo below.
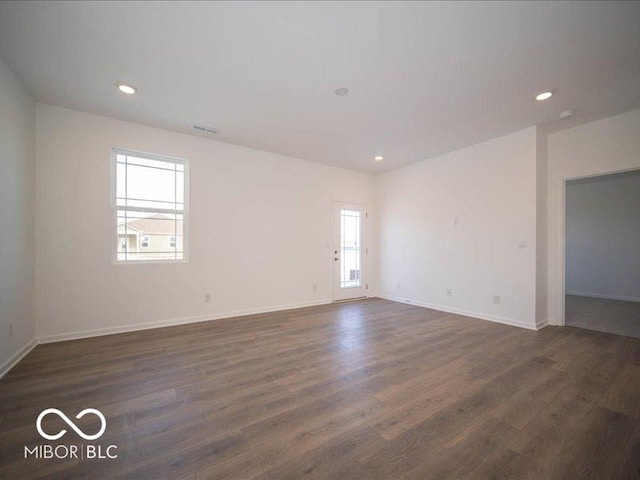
{"type": "Point", "coordinates": [365, 390]}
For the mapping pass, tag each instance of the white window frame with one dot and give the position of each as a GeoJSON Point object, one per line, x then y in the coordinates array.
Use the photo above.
{"type": "Point", "coordinates": [114, 207]}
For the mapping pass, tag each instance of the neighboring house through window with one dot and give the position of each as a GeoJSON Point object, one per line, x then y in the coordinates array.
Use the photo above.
{"type": "Point", "coordinates": [149, 200]}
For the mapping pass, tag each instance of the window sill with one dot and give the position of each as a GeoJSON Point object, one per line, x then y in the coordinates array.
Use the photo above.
{"type": "Point", "coordinates": [148, 262]}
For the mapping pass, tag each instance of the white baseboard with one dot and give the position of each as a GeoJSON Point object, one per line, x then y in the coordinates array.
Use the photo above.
{"type": "Point", "coordinates": [61, 337]}
{"type": "Point", "coordinates": [466, 313]}
{"type": "Point", "coordinates": [16, 357]}
{"type": "Point", "coordinates": [606, 297]}
{"type": "Point", "coordinates": [540, 324]}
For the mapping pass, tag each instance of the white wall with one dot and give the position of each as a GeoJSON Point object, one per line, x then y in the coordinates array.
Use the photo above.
{"type": "Point", "coordinates": [542, 313]}
{"type": "Point", "coordinates": [605, 146]}
{"type": "Point", "coordinates": [491, 188]}
{"type": "Point", "coordinates": [603, 236]}
{"type": "Point", "coordinates": [17, 123]}
{"type": "Point", "coordinates": [259, 229]}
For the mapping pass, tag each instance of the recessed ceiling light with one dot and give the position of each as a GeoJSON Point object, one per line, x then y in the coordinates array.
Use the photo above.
{"type": "Point", "coordinates": [544, 95]}
{"type": "Point", "coordinates": [378, 158]}
{"type": "Point", "coordinates": [128, 89]}
{"type": "Point", "coordinates": [341, 92]}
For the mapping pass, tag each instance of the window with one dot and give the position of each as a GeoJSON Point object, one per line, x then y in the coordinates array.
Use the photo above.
{"type": "Point", "coordinates": [150, 198]}
{"type": "Point", "coordinates": [350, 245]}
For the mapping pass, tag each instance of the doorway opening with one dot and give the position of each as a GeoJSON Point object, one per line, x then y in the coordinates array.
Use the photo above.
{"type": "Point", "coordinates": [602, 253]}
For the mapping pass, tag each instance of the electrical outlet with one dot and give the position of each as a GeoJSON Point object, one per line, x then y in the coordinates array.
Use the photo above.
{"type": "Point", "coordinates": [456, 220]}
{"type": "Point", "coordinates": [449, 292]}
{"type": "Point", "coordinates": [11, 329]}
{"type": "Point", "coordinates": [207, 298]}
{"type": "Point", "coordinates": [314, 287]}
{"type": "Point", "coordinates": [398, 285]}
{"type": "Point", "coordinates": [496, 299]}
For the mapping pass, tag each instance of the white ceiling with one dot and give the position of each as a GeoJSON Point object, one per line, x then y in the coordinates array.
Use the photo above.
{"type": "Point", "coordinates": [424, 78]}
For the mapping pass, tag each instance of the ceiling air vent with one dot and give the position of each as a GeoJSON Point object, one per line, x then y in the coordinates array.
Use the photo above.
{"type": "Point", "coordinates": [206, 129]}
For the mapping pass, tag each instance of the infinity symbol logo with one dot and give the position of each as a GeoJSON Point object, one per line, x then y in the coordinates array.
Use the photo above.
{"type": "Point", "coordinates": [71, 424]}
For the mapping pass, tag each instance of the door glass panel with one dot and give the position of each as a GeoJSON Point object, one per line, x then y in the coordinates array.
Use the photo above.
{"type": "Point", "coordinates": [350, 246]}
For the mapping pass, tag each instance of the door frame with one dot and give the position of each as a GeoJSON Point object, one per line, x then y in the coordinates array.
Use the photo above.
{"type": "Point", "coordinates": [562, 250]}
{"type": "Point", "coordinates": [336, 205]}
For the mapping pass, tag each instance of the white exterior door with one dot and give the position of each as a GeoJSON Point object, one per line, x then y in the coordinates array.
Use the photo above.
{"type": "Point", "coordinates": [349, 251]}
